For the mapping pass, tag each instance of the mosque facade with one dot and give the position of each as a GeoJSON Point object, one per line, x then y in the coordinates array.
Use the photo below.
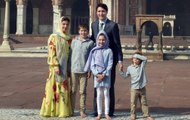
{"type": "Point", "coordinates": [41, 16]}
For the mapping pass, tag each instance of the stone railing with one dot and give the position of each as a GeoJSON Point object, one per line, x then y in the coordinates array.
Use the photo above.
{"type": "Point", "coordinates": [127, 30]}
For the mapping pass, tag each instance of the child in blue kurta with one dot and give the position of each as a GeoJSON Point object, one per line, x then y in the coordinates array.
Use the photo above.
{"type": "Point", "coordinates": [100, 63]}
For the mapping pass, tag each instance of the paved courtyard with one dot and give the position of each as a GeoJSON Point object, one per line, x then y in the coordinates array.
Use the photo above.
{"type": "Point", "coordinates": [22, 82]}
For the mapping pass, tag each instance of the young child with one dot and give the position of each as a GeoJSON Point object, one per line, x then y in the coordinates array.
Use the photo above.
{"type": "Point", "coordinates": [100, 62]}
{"type": "Point", "coordinates": [80, 49]}
{"type": "Point", "coordinates": [138, 84]}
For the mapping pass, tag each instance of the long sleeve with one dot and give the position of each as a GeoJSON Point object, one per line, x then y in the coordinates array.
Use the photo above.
{"type": "Point", "coordinates": [143, 58]}
{"type": "Point", "coordinates": [52, 58]}
{"type": "Point", "coordinates": [116, 38]}
{"type": "Point", "coordinates": [125, 74]}
{"type": "Point", "coordinates": [93, 67]}
{"type": "Point", "coordinates": [110, 63]}
{"type": "Point", "coordinates": [93, 36]}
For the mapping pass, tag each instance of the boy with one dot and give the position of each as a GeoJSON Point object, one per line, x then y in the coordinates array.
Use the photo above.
{"type": "Point", "coordinates": [138, 84]}
{"type": "Point", "coordinates": [80, 49]}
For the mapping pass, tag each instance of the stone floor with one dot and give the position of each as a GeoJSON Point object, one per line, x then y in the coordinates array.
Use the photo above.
{"type": "Point", "coordinates": [22, 82]}
{"type": "Point", "coordinates": [33, 114]}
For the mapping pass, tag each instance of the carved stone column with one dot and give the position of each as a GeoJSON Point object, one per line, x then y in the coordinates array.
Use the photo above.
{"type": "Point", "coordinates": [21, 17]}
{"type": "Point", "coordinates": [115, 11]}
{"type": "Point", "coordinates": [57, 12]}
{"type": "Point", "coordinates": [139, 43]}
{"type": "Point", "coordinates": [110, 8]}
{"type": "Point", "coordinates": [92, 8]}
{"type": "Point", "coordinates": [6, 45]}
{"type": "Point", "coordinates": [140, 6]}
{"type": "Point", "coordinates": [127, 12]}
{"type": "Point", "coordinates": [160, 42]}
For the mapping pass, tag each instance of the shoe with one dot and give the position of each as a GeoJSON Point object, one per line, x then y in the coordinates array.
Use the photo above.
{"type": "Point", "coordinates": [93, 114]}
{"type": "Point", "coordinates": [149, 118]}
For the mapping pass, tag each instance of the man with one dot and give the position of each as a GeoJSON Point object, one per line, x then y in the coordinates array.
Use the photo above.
{"type": "Point", "coordinates": [112, 30]}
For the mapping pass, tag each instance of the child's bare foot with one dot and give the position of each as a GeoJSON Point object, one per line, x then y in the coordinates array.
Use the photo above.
{"type": "Point", "coordinates": [133, 117]}
{"type": "Point", "coordinates": [108, 117]}
{"type": "Point", "coordinates": [82, 114]}
{"type": "Point", "coordinates": [149, 118]}
{"type": "Point", "coordinates": [98, 117]}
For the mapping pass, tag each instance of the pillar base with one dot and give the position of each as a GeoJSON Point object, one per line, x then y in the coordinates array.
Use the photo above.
{"type": "Point", "coordinates": [19, 33]}
{"type": "Point", "coordinates": [6, 46]}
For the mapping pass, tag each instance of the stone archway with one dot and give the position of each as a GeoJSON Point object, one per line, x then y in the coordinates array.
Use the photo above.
{"type": "Point", "coordinates": [168, 26]}
{"type": "Point", "coordinates": [167, 29]}
{"type": "Point", "coordinates": [140, 20]}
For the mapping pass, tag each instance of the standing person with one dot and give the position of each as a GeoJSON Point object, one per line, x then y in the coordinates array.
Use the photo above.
{"type": "Point", "coordinates": [138, 84]}
{"type": "Point", "coordinates": [80, 49]}
{"type": "Point", "coordinates": [150, 40]}
{"type": "Point", "coordinates": [56, 102]}
{"type": "Point", "coordinates": [100, 62]}
{"type": "Point", "coordinates": [112, 31]}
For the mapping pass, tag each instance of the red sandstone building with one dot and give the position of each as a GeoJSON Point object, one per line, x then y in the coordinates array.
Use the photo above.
{"type": "Point", "coordinates": [40, 16]}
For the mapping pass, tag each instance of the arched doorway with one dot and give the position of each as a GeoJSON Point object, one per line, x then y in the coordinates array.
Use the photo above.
{"type": "Point", "coordinates": [151, 30]}
{"type": "Point", "coordinates": [150, 26]}
{"type": "Point", "coordinates": [45, 23]}
{"type": "Point", "coordinates": [80, 14]}
{"type": "Point", "coordinates": [29, 17]}
{"type": "Point", "coordinates": [13, 16]}
{"type": "Point", "coordinates": [167, 29]}
{"type": "Point", "coordinates": [140, 21]}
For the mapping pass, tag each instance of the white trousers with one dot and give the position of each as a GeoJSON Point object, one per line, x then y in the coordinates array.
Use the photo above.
{"type": "Point", "coordinates": [100, 92]}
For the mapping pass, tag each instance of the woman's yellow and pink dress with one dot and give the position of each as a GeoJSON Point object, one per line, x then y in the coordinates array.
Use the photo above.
{"type": "Point", "coordinates": [57, 101]}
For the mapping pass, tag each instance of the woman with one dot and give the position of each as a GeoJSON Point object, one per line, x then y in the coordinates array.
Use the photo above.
{"type": "Point", "coordinates": [56, 102]}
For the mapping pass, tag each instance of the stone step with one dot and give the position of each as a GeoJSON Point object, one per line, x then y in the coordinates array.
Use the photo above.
{"type": "Point", "coordinates": [169, 52]}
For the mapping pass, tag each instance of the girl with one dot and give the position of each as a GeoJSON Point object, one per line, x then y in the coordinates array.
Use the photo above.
{"type": "Point", "coordinates": [100, 63]}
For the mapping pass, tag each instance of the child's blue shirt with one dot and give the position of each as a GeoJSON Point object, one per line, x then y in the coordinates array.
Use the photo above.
{"type": "Point", "coordinates": [137, 73]}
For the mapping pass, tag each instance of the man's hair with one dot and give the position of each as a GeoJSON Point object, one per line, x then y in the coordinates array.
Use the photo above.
{"type": "Point", "coordinates": [83, 25]}
{"type": "Point", "coordinates": [102, 5]}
